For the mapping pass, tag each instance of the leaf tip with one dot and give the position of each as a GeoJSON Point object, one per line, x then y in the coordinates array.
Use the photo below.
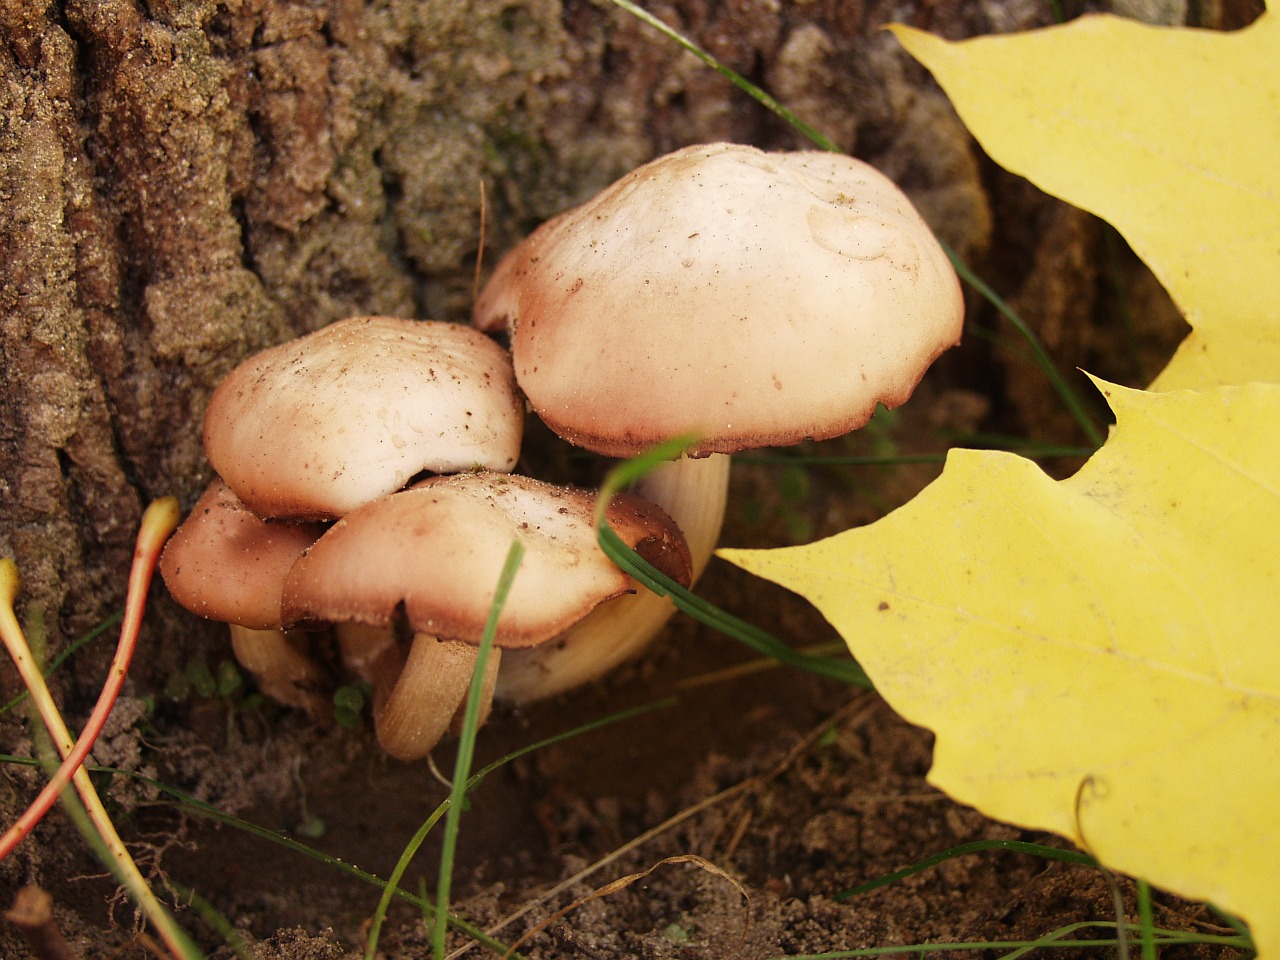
{"type": "Point", "coordinates": [738, 557]}
{"type": "Point", "coordinates": [776, 564]}
{"type": "Point", "coordinates": [1119, 398]}
{"type": "Point", "coordinates": [911, 38]}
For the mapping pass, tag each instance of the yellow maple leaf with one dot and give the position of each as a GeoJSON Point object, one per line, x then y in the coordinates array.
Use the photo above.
{"type": "Point", "coordinates": [1100, 656]}
{"type": "Point", "coordinates": [1172, 135]}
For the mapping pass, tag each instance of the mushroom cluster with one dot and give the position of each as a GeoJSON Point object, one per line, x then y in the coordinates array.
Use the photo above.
{"type": "Point", "coordinates": [748, 298]}
{"type": "Point", "coordinates": [314, 523]}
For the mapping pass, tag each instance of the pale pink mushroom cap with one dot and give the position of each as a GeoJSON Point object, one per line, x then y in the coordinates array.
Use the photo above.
{"type": "Point", "coordinates": [753, 298]}
{"type": "Point", "coordinates": [313, 428]}
{"type": "Point", "coordinates": [226, 564]}
{"type": "Point", "coordinates": [438, 548]}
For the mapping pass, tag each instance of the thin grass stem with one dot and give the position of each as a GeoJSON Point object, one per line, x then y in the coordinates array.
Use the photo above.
{"type": "Point", "coordinates": [1146, 920]}
{"type": "Point", "coordinates": [1034, 451]}
{"type": "Point", "coordinates": [467, 747]}
{"type": "Point", "coordinates": [1057, 939]}
{"type": "Point", "coordinates": [976, 846]}
{"type": "Point", "coordinates": [202, 809]}
{"type": "Point", "coordinates": [631, 563]}
{"type": "Point", "coordinates": [390, 886]}
{"type": "Point", "coordinates": [214, 918]}
{"type": "Point", "coordinates": [1117, 900]}
{"type": "Point", "coordinates": [101, 832]}
{"type": "Point", "coordinates": [844, 670]}
{"type": "Point", "coordinates": [1070, 398]}
{"type": "Point", "coordinates": [158, 522]}
{"type": "Point", "coordinates": [69, 651]}
{"type": "Point", "coordinates": [1232, 921]}
{"type": "Point", "coordinates": [739, 81]}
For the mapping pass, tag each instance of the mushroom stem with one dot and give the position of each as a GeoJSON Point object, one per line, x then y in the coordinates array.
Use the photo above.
{"type": "Point", "coordinates": [417, 697]}
{"type": "Point", "coordinates": [360, 645]}
{"type": "Point", "coordinates": [693, 492]}
{"type": "Point", "coordinates": [283, 671]}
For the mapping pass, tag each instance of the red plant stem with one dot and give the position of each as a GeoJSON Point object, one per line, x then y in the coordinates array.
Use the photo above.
{"type": "Point", "coordinates": [158, 522]}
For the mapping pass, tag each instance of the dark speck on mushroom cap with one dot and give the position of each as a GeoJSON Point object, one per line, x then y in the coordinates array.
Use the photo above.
{"type": "Point", "coordinates": [754, 298]}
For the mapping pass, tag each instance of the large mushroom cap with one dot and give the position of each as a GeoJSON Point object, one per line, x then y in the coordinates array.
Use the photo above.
{"type": "Point", "coordinates": [438, 549]}
{"type": "Point", "coordinates": [315, 427]}
{"type": "Point", "coordinates": [753, 298]}
{"type": "Point", "coordinates": [226, 564]}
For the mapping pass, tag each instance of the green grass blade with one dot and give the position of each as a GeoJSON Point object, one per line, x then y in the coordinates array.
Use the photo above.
{"type": "Point", "coordinates": [1031, 449]}
{"type": "Point", "coordinates": [1146, 921]}
{"type": "Point", "coordinates": [976, 846]}
{"type": "Point", "coordinates": [843, 669]}
{"type": "Point", "coordinates": [467, 748]}
{"type": "Point", "coordinates": [391, 886]}
{"type": "Point", "coordinates": [205, 810]}
{"type": "Point", "coordinates": [739, 81]}
{"type": "Point", "coordinates": [839, 460]}
{"type": "Point", "coordinates": [412, 847]}
{"type": "Point", "coordinates": [1056, 938]}
{"type": "Point", "coordinates": [214, 918]}
{"type": "Point", "coordinates": [1070, 398]}
{"type": "Point", "coordinates": [1234, 922]}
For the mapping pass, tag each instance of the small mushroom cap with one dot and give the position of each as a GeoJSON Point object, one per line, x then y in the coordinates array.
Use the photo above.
{"type": "Point", "coordinates": [312, 428]}
{"type": "Point", "coordinates": [438, 548]}
{"type": "Point", "coordinates": [226, 564]}
{"type": "Point", "coordinates": [753, 298]}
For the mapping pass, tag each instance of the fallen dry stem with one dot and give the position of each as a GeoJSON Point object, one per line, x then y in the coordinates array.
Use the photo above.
{"type": "Point", "coordinates": [851, 714]}
{"type": "Point", "coordinates": [624, 882]}
{"type": "Point", "coordinates": [757, 665]}
{"type": "Point", "coordinates": [739, 832]}
{"type": "Point", "coordinates": [859, 707]}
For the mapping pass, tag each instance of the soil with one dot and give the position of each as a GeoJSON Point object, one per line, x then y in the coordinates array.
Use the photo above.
{"type": "Point", "coordinates": [725, 819]}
